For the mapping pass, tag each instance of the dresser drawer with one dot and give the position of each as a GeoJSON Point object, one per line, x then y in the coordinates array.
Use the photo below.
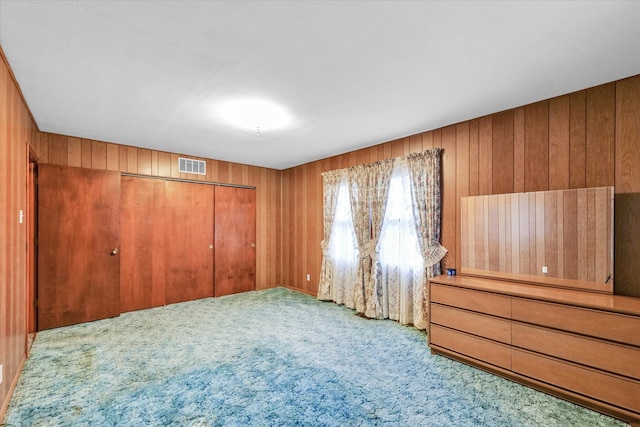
{"type": "Point", "coordinates": [472, 346]}
{"type": "Point", "coordinates": [599, 324]}
{"type": "Point", "coordinates": [483, 302]}
{"type": "Point", "coordinates": [605, 387]}
{"type": "Point", "coordinates": [494, 328]}
{"type": "Point", "coordinates": [616, 358]}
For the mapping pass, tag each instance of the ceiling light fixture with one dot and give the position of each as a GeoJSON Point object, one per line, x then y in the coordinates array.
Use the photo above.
{"type": "Point", "coordinates": [254, 114]}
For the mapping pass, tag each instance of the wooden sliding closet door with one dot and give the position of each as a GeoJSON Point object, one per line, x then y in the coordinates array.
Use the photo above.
{"type": "Point", "coordinates": [235, 233]}
{"type": "Point", "coordinates": [142, 236]}
{"type": "Point", "coordinates": [189, 241]}
{"type": "Point", "coordinates": [78, 238]}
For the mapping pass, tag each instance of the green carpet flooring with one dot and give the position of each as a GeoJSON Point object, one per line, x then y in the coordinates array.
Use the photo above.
{"type": "Point", "coordinates": [264, 358]}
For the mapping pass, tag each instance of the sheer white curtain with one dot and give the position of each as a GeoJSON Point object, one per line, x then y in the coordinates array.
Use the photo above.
{"type": "Point", "coordinates": [330, 187]}
{"type": "Point", "coordinates": [342, 250]}
{"type": "Point", "coordinates": [402, 266]}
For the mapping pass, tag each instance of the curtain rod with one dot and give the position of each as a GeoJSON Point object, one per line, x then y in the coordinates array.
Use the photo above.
{"type": "Point", "coordinates": [193, 181]}
{"type": "Point", "coordinates": [398, 159]}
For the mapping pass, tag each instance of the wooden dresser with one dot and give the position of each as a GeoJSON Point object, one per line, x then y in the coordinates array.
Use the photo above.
{"type": "Point", "coordinates": [580, 346]}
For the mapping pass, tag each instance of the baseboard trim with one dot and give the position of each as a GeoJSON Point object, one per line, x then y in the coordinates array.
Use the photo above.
{"type": "Point", "coordinates": [14, 383]}
{"type": "Point", "coordinates": [302, 291]}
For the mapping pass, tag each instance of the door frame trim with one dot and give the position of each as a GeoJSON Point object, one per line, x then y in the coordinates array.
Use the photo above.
{"type": "Point", "coordinates": [31, 219]}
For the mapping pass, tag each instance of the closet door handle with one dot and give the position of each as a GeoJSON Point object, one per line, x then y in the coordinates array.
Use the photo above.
{"type": "Point", "coordinates": [114, 252]}
{"type": "Point", "coordinates": [253, 245]}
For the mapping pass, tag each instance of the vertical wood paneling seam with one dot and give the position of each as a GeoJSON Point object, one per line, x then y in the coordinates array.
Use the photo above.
{"type": "Point", "coordinates": [513, 151]}
{"type": "Point", "coordinates": [524, 169]}
{"type": "Point", "coordinates": [615, 134]}
{"type": "Point", "coordinates": [584, 143]}
{"type": "Point", "coordinates": [548, 144]}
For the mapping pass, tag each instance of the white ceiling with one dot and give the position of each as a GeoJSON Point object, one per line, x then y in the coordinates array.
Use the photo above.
{"type": "Point", "coordinates": [351, 73]}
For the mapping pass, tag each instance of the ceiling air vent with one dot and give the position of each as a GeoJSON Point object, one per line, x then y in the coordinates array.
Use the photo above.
{"type": "Point", "coordinates": [192, 166]}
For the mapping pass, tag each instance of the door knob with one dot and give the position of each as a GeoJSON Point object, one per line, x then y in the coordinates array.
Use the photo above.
{"type": "Point", "coordinates": [253, 245]}
{"type": "Point", "coordinates": [114, 252]}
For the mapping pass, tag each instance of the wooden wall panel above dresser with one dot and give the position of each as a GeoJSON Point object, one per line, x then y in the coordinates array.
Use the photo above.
{"type": "Point", "coordinates": [568, 233]}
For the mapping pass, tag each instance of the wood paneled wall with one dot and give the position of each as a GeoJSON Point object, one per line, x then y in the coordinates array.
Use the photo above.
{"type": "Point", "coordinates": [570, 232]}
{"type": "Point", "coordinates": [17, 131]}
{"type": "Point", "coordinates": [85, 153]}
{"type": "Point", "coordinates": [627, 249]}
{"type": "Point", "coordinates": [589, 138]}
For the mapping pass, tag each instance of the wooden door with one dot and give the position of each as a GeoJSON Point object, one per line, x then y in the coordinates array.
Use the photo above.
{"type": "Point", "coordinates": [235, 235]}
{"type": "Point", "coordinates": [78, 230]}
{"type": "Point", "coordinates": [189, 241]}
{"type": "Point", "coordinates": [142, 243]}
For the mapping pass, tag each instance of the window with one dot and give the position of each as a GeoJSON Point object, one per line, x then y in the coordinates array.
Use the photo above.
{"type": "Point", "coordinates": [393, 287]}
{"type": "Point", "coordinates": [402, 267]}
{"type": "Point", "coordinates": [342, 243]}
{"type": "Point", "coordinates": [398, 244]}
